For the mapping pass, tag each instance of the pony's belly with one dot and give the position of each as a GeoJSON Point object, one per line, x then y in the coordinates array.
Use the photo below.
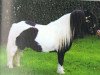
{"type": "Point", "coordinates": [48, 43]}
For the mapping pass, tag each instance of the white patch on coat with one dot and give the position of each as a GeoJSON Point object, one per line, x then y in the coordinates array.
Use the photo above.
{"type": "Point", "coordinates": [54, 35]}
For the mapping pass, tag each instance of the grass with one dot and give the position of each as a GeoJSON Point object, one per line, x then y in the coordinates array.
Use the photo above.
{"type": "Point", "coordinates": [82, 59]}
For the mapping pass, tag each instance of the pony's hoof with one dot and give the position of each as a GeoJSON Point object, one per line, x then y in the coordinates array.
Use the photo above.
{"type": "Point", "coordinates": [60, 71]}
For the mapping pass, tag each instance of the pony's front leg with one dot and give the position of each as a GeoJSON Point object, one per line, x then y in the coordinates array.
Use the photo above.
{"type": "Point", "coordinates": [60, 69]}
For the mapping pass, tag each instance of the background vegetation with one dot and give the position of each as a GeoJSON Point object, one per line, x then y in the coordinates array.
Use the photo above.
{"type": "Point", "coordinates": [45, 11]}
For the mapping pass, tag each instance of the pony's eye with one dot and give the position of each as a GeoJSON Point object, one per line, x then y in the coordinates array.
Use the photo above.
{"type": "Point", "coordinates": [87, 17]}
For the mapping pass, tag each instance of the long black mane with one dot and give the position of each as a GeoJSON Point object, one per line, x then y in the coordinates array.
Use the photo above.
{"type": "Point", "coordinates": [77, 23]}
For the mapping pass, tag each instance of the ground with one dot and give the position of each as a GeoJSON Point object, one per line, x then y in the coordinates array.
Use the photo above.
{"type": "Point", "coordinates": [82, 59]}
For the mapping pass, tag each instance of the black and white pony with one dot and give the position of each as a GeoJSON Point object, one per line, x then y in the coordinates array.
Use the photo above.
{"type": "Point", "coordinates": [55, 36]}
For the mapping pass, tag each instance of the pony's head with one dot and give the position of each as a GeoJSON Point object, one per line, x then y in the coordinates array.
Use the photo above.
{"type": "Point", "coordinates": [90, 22]}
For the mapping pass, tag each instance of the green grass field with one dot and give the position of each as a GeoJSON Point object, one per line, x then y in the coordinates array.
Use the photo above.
{"type": "Point", "coordinates": [82, 59]}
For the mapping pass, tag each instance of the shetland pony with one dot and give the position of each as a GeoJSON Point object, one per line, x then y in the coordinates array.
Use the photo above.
{"type": "Point", "coordinates": [55, 36]}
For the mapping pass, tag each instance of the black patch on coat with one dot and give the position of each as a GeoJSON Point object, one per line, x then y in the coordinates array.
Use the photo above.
{"type": "Point", "coordinates": [27, 40]}
{"type": "Point", "coordinates": [30, 23]}
{"type": "Point", "coordinates": [61, 57]}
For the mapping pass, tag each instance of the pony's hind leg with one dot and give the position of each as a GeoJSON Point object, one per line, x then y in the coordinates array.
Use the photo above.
{"type": "Point", "coordinates": [10, 61]}
{"type": "Point", "coordinates": [10, 56]}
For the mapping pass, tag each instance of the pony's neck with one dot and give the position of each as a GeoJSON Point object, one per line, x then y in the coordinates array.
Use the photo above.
{"type": "Point", "coordinates": [63, 29]}
{"type": "Point", "coordinates": [62, 21]}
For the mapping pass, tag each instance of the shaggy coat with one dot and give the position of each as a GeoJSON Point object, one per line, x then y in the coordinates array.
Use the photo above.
{"type": "Point", "coordinates": [55, 36]}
